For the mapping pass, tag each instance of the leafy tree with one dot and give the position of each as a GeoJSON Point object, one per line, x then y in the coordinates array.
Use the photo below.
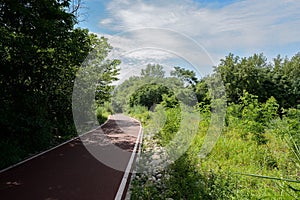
{"type": "Point", "coordinates": [122, 93]}
{"type": "Point", "coordinates": [279, 79]}
{"type": "Point", "coordinates": [40, 55]}
{"type": "Point", "coordinates": [202, 92]}
{"type": "Point", "coordinates": [153, 74]}
{"type": "Point", "coordinates": [291, 69]}
{"type": "Point", "coordinates": [108, 71]}
{"type": "Point", "coordinates": [149, 95]}
{"type": "Point", "coordinates": [153, 71]}
{"type": "Point", "coordinates": [169, 101]}
{"type": "Point", "coordinates": [244, 74]}
{"type": "Point", "coordinates": [185, 75]}
{"type": "Point", "coordinates": [252, 117]}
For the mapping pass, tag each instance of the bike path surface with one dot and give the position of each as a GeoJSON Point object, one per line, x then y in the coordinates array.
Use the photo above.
{"type": "Point", "coordinates": [71, 171]}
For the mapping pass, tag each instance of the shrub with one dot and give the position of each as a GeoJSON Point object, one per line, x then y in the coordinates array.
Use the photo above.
{"type": "Point", "coordinates": [171, 126]}
{"type": "Point", "coordinates": [103, 111]}
{"type": "Point", "coordinates": [139, 112]}
{"type": "Point", "coordinates": [149, 95]}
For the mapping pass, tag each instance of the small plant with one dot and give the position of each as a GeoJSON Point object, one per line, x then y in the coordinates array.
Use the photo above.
{"type": "Point", "coordinates": [103, 111]}
{"type": "Point", "coordinates": [171, 126]}
{"type": "Point", "coordinates": [139, 112]}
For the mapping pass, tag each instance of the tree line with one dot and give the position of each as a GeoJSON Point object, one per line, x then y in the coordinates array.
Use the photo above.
{"type": "Point", "coordinates": [256, 92]}
{"type": "Point", "coordinates": [255, 156]}
{"type": "Point", "coordinates": [41, 52]}
{"type": "Point", "coordinates": [253, 74]}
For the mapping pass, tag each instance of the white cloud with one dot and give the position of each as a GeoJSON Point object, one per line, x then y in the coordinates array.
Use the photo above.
{"type": "Point", "coordinates": [106, 21]}
{"type": "Point", "coordinates": [249, 25]}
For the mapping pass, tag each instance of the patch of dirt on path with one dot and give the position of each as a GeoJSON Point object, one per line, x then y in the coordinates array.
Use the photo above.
{"type": "Point", "coordinates": [116, 131]}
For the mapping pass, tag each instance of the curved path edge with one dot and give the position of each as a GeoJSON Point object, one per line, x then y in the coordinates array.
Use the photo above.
{"type": "Point", "coordinates": [52, 148]}
{"type": "Point", "coordinates": [126, 177]}
{"type": "Point", "coordinates": [71, 171]}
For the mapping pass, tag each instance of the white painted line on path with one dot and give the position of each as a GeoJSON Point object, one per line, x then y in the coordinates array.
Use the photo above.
{"type": "Point", "coordinates": [129, 165]}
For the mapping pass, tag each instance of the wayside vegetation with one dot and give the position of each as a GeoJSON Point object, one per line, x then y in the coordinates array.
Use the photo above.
{"type": "Point", "coordinates": [257, 154]}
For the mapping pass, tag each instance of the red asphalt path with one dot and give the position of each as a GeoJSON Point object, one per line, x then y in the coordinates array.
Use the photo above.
{"type": "Point", "coordinates": [71, 171]}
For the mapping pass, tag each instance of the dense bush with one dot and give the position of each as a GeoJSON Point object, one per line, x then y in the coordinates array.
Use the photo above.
{"type": "Point", "coordinates": [103, 111]}
{"type": "Point", "coordinates": [140, 112]}
{"type": "Point", "coordinates": [41, 52]}
{"type": "Point", "coordinates": [254, 74]}
{"type": "Point", "coordinates": [257, 155]}
{"type": "Point", "coordinates": [171, 126]}
{"type": "Point", "coordinates": [148, 95]}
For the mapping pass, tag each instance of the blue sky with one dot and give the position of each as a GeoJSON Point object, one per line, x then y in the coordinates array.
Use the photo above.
{"type": "Point", "coordinates": [96, 10]}
{"type": "Point", "coordinates": [197, 32]}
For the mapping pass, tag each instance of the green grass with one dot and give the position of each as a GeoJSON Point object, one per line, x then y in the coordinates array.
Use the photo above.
{"type": "Point", "coordinates": [233, 154]}
{"type": "Point", "coordinates": [238, 167]}
{"type": "Point", "coordinates": [103, 111]}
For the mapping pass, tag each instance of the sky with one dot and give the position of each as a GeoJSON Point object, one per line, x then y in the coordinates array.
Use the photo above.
{"type": "Point", "coordinates": [193, 34]}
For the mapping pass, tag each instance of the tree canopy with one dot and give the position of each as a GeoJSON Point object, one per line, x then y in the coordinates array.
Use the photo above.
{"type": "Point", "coordinates": [148, 95]}
{"type": "Point", "coordinates": [154, 71]}
{"type": "Point", "coordinates": [254, 74]}
{"type": "Point", "coordinates": [41, 52]}
{"type": "Point", "coordinates": [185, 75]}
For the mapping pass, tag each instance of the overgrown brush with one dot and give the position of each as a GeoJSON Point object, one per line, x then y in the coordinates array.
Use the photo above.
{"type": "Point", "coordinates": [239, 167]}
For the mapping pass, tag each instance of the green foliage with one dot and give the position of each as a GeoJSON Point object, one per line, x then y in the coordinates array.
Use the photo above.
{"type": "Point", "coordinates": [233, 153]}
{"type": "Point", "coordinates": [256, 157]}
{"type": "Point", "coordinates": [103, 111]}
{"type": "Point", "coordinates": [279, 79]}
{"type": "Point", "coordinates": [188, 182]}
{"type": "Point", "coordinates": [252, 117]}
{"type": "Point", "coordinates": [182, 179]}
{"type": "Point", "coordinates": [185, 75]}
{"type": "Point", "coordinates": [140, 112]}
{"type": "Point", "coordinates": [288, 127]}
{"type": "Point", "coordinates": [270, 110]}
{"type": "Point", "coordinates": [107, 70]}
{"type": "Point", "coordinates": [122, 93]}
{"type": "Point", "coordinates": [10, 148]}
{"type": "Point", "coordinates": [153, 71]}
{"type": "Point", "coordinates": [202, 93]}
{"type": "Point", "coordinates": [41, 52]}
{"type": "Point", "coordinates": [153, 74]}
{"type": "Point", "coordinates": [169, 101]}
{"type": "Point", "coordinates": [186, 96]}
{"type": "Point", "coordinates": [149, 95]}
{"type": "Point", "coordinates": [218, 176]}
{"type": "Point", "coordinates": [171, 126]}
